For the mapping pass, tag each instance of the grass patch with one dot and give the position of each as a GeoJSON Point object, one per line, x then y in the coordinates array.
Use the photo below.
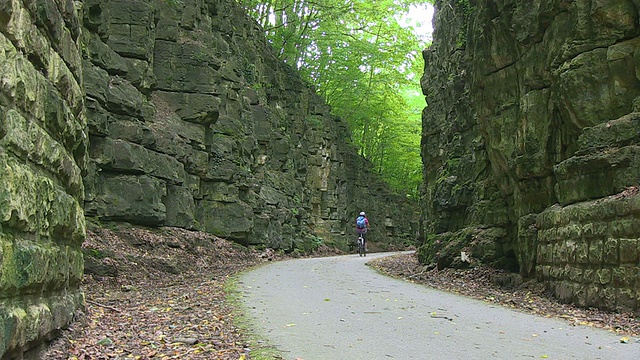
{"type": "Point", "coordinates": [260, 349]}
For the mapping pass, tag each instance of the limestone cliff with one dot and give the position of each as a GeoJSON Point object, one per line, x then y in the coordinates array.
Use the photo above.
{"type": "Point", "coordinates": [194, 123]}
{"type": "Point", "coordinates": [530, 143]}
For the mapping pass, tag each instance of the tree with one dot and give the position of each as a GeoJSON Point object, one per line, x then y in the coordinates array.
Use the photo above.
{"type": "Point", "coordinates": [362, 61]}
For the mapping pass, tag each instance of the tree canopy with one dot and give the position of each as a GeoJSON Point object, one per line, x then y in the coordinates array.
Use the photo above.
{"type": "Point", "coordinates": [365, 61]}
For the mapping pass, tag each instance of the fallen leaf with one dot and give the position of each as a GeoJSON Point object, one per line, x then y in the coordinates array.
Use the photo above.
{"type": "Point", "coordinates": [105, 341]}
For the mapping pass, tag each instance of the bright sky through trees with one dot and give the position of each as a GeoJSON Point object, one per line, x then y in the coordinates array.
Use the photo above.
{"type": "Point", "coordinates": [419, 16]}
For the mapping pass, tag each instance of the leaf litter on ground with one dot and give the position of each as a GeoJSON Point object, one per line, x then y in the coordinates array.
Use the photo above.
{"type": "Point", "coordinates": [160, 294]}
{"type": "Point", "coordinates": [164, 298]}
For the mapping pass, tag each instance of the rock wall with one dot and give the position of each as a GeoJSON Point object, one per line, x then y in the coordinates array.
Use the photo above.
{"type": "Point", "coordinates": [194, 123]}
{"type": "Point", "coordinates": [530, 143]}
{"type": "Point", "coordinates": [43, 145]}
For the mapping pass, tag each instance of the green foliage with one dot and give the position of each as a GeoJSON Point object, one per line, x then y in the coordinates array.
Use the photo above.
{"type": "Point", "coordinates": [465, 7]}
{"type": "Point", "coordinates": [315, 123]}
{"type": "Point", "coordinates": [365, 64]}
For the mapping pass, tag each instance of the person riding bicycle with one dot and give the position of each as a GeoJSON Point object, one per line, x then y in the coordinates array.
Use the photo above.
{"type": "Point", "coordinates": [362, 225]}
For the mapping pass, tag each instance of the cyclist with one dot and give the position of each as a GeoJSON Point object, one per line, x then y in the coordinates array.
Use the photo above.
{"type": "Point", "coordinates": [362, 225]}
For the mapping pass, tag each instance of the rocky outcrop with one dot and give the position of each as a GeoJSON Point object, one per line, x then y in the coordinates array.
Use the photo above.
{"type": "Point", "coordinates": [194, 123]}
{"type": "Point", "coordinates": [43, 145]}
{"type": "Point", "coordinates": [530, 142]}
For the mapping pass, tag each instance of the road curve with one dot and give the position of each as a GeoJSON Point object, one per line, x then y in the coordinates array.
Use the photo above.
{"type": "Point", "coordinates": [339, 308]}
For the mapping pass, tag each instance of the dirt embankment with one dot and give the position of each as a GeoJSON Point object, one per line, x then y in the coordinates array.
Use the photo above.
{"type": "Point", "coordinates": [156, 294]}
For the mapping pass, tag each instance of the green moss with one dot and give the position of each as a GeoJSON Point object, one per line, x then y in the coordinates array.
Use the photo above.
{"type": "Point", "coordinates": [465, 7]}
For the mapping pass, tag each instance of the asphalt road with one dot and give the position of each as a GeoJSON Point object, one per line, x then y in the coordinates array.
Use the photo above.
{"type": "Point", "coordinates": [338, 308]}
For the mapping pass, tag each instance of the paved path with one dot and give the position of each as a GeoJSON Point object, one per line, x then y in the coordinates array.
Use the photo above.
{"type": "Point", "coordinates": [338, 308]}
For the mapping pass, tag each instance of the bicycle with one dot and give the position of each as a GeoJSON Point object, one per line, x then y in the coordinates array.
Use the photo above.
{"type": "Point", "coordinates": [362, 249]}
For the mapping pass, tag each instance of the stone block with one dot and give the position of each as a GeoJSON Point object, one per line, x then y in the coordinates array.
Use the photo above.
{"type": "Point", "coordinates": [568, 252]}
{"type": "Point", "coordinates": [595, 296]}
{"type": "Point", "coordinates": [629, 251]}
{"type": "Point", "coordinates": [62, 78]}
{"type": "Point", "coordinates": [220, 169]}
{"type": "Point", "coordinates": [575, 274]}
{"type": "Point", "coordinates": [98, 119]}
{"type": "Point", "coordinates": [601, 229]}
{"type": "Point", "coordinates": [140, 74]}
{"type": "Point", "coordinates": [219, 191]}
{"type": "Point", "coordinates": [21, 27]}
{"type": "Point", "coordinates": [128, 198]}
{"type": "Point", "coordinates": [582, 253]}
{"type": "Point", "coordinates": [66, 127]}
{"type": "Point", "coordinates": [272, 196]}
{"type": "Point", "coordinates": [30, 142]}
{"type": "Point", "coordinates": [597, 174]}
{"type": "Point", "coordinates": [580, 293]}
{"type": "Point", "coordinates": [590, 276]}
{"type": "Point", "coordinates": [625, 276]}
{"type": "Point", "coordinates": [625, 227]}
{"type": "Point", "coordinates": [611, 252]}
{"type": "Point", "coordinates": [133, 131]}
{"type": "Point", "coordinates": [626, 299]}
{"type": "Point", "coordinates": [618, 132]}
{"type": "Point", "coordinates": [604, 276]}
{"type": "Point", "coordinates": [30, 268]}
{"type": "Point", "coordinates": [30, 202]}
{"type": "Point", "coordinates": [586, 99]}
{"type": "Point", "coordinates": [608, 299]}
{"type": "Point", "coordinates": [543, 256]}
{"type": "Point", "coordinates": [229, 220]}
{"type": "Point", "coordinates": [21, 82]}
{"type": "Point", "coordinates": [132, 40]}
{"type": "Point", "coordinates": [26, 322]}
{"type": "Point", "coordinates": [180, 207]}
{"type": "Point", "coordinates": [103, 56]}
{"type": "Point", "coordinates": [587, 231]}
{"type": "Point", "coordinates": [545, 271]}
{"type": "Point", "coordinates": [555, 272]}
{"type": "Point", "coordinates": [69, 51]}
{"type": "Point", "coordinates": [564, 291]}
{"type": "Point", "coordinates": [197, 108]}
{"type": "Point", "coordinates": [121, 156]}
{"type": "Point", "coordinates": [596, 254]}
{"type": "Point", "coordinates": [187, 68]}
{"type": "Point", "coordinates": [488, 212]}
